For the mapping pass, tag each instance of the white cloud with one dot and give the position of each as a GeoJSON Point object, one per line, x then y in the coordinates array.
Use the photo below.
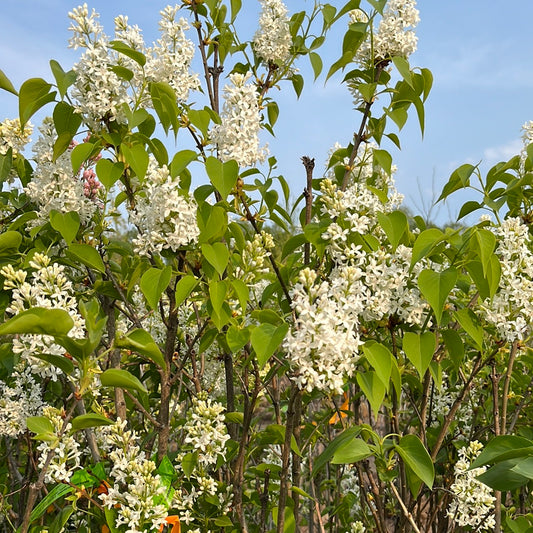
{"type": "Point", "coordinates": [503, 152]}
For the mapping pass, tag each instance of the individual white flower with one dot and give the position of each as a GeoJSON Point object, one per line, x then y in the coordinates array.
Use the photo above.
{"type": "Point", "coordinates": [473, 503]}
{"type": "Point", "coordinates": [12, 136]}
{"type": "Point", "coordinates": [237, 136]}
{"type": "Point", "coordinates": [272, 41]}
{"type": "Point", "coordinates": [164, 215]}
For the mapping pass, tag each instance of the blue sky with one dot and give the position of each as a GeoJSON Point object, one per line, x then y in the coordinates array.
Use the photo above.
{"type": "Point", "coordinates": [479, 53]}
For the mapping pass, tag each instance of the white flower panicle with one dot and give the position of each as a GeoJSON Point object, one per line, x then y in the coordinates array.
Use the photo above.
{"type": "Point", "coordinates": [237, 136]}
{"type": "Point", "coordinates": [67, 453]}
{"type": "Point", "coordinates": [206, 431]}
{"type": "Point", "coordinates": [54, 186]}
{"type": "Point", "coordinates": [394, 36]}
{"type": "Point", "coordinates": [13, 136]}
{"type": "Point", "coordinates": [511, 308]}
{"type": "Point", "coordinates": [48, 288]}
{"type": "Point", "coordinates": [473, 503]}
{"type": "Point", "coordinates": [136, 490]}
{"type": "Point", "coordinates": [170, 59]}
{"type": "Point", "coordinates": [272, 41]}
{"type": "Point", "coordinates": [323, 346]}
{"type": "Point", "coordinates": [99, 91]}
{"type": "Point", "coordinates": [164, 215]}
{"type": "Point", "coordinates": [18, 402]}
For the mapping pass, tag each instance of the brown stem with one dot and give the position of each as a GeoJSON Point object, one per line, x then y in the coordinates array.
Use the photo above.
{"type": "Point", "coordinates": [263, 498]}
{"type": "Point", "coordinates": [495, 378]}
{"type": "Point", "coordinates": [252, 221]}
{"type": "Point", "coordinates": [406, 512]}
{"type": "Point", "coordinates": [296, 462]}
{"type": "Point", "coordinates": [523, 401]}
{"type": "Point", "coordinates": [285, 458]}
{"type": "Point", "coordinates": [358, 137]}
{"type": "Point", "coordinates": [309, 165]}
{"type": "Point", "coordinates": [506, 385]}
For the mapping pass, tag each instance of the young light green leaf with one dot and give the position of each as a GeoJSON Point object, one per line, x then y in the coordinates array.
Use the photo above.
{"type": "Point", "coordinates": [34, 94]}
{"type": "Point", "coordinates": [419, 349]}
{"type": "Point", "coordinates": [223, 176]}
{"type": "Point", "coordinates": [6, 84]}
{"type": "Point", "coordinates": [137, 158]}
{"type": "Point", "coordinates": [184, 288]}
{"type": "Point", "coordinates": [180, 161]}
{"type": "Point", "coordinates": [109, 172]}
{"type": "Point", "coordinates": [217, 293]}
{"type": "Point", "coordinates": [60, 490]}
{"type": "Point", "coordinates": [372, 388]}
{"type": "Point", "coordinates": [266, 339]}
{"type": "Point", "coordinates": [63, 79]}
{"type": "Point", "coordinates": [425, 243]}
{"type": "Point", "coordinates": [395, 225]}
{"type": "Point", "coordinates": [10, 242]}
{"type": "Point", "coordinates": [237, 338]}
{"type": "Point", "coordinates": [80, 154]}
{"type": "Point", "coordinates": [140, 341]}
{"type": "Point", "coordinates": [67, 224]}
{"type": "Point", "coordinates": [380, 358]}
{"type": "Point", "coordinates": [470, 323]}
{"type": "Point", "coordinates": [117, 377]}
{"type": "Point", "coordinates": [153, 282]}
{"type": "Point", "coordinates": [39, 425]}
{"type": "Point", "coordinates": [90, 420]}
{"type": "Point", "coordinates": [417, 458]}
{"type": "Point", "coordinates": [351, 451]}
{"type": "Point", "coordinates": [217, 254]}
{"type": "Point", "coordinates": [87, 255]}
{"type": "Point", "coordinates": [435, 287]}
{"type": "Point", "coordinates": [39, 321]}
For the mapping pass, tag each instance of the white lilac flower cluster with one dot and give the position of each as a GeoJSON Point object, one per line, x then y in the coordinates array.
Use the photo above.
{"type": "Point", "coordinates": [511, 308]}
{"type": "Point", "coordinates": [13, 136]}
{"type": "Point", "coordinates": [394, 36]}
{"type": "Point", "coordinates": [54, 186]}
{"type": "Point", "coordinates": [66, 450]}
{"type": "Point", "coordinates": [272, 41]}
{"type": "Point", "coordinates": [164, 215]}
{"type": "Point", "coordinates": [136, 491]}
{"type": "Point", "coordinates": [323, 346]}
{"type": "Point", "coordinates": [18, 402]}
{"type": "Point", "coordinates": [101, 91]}
{"type": "Point", "coordinates": [237, 136]}
{"type": "Point", "coordinates": [473, 503]}
{"type": "Point", "coordinates": [206, 433]}
{"type": "Point", "coordinates": [48, 288]}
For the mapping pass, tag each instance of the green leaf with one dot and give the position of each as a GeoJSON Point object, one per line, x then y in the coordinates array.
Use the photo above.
{"type": "Point", "coordinates": [80, 154]}
{"type": "Point", "coordinates": [237, 338]}
{"type": "Point", "coordinates": [502, 477]}
{"type": "Point", "coordinates": [140, 341]}
{"type": "Point", "coordinates": [403, 68]}
{"type": "Point", "coordinates": [6, 84]}
{"type": "Point", "coordinates": [241, 290]}
{"type": "Point", "coordinates": [67, 224]}
{"type": "Point", "coordinates": [153, 282]}
{"type": "Point", "coordinates": [459, 179]}
{"type": "Point", "coordinates": [380, 358]}
{"type": "Point", "coordinates": [372, 388]}
{"type": "Point", "coordinates": [38, 321]}
{"type": "Point", "coordinates": [484, 243]}
{"type": "Point", "coordinates": [217, 254]}
{"type": "Point", "coordinates": [117, 377]}
{"type": "Point", "coordinates": [128, 51]}
{"type": "Point", "coordinates": [200, 118]}
{"type": "Point", "coordinates": [316, 63]}
{"type": "Point", "coordinates": [395, 225]}
{"type": "Point", "coordinates": [470, 323]}
{"type": "Point", "coordinates": [87, 255]}
{"type": "Point", "coordinates": [419, 349]}
{"type": "Point", "coordinates": [39, 425]}
{"type": "Point", "coordinates": [6, 164]}
{"type": "Point", "coordinates": [61, 362]}
{"type": "Point", "coordinates": [34, 94]}
{"type": "Point", "coordinates": [188, 463]}
{"type": "Point", "coordinates": [266, 339]}
{"type": "Point", "coordinates": [10, 242]}
{"type": "Point", "coordinates": [351, 451]}
{"type": "Point", "coordinates": [425, 243]}
{"type": "Point", "coordinates": [58, 491]}
{"type": "Point", "coordinates": [223, 176]}
{"type": "Point", "coordinates": [90, 420]}
{"type": "Point", "coordinates": [137, 158]}
{"type": "Point", "coordinates": [63, 79]}
{"type": "Point", "coordinates": [298, 84]}
{"type": "Point", "coordinates": [499, 447]}
{"type": "Point", "coordinates": [109, 172]}
{"type": "Point", "coordinates": [417, 458]}
{"type": "Point", "coordinates": [235, 8]}
{"type": "Point", "coordinates": [164, 102]}
{"type": "Point", "coordinates": [339, 441]}
{"type": "Point", "coordinates": [181, 160]}
{"type": "Point", "coordinates": [217, 293]}
{"type": "Point", "coordinates": [454, 345]}
{"type": "Point", "coordinates": [212, 221]}
{"type": "Point", "coordinates": [184, 288]}
{"type": "Point", "coordinates": [435, 287]}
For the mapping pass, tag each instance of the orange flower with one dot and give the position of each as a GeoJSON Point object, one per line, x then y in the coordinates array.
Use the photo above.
{"type": "Point", "coordinates": [173, 521]}
{"type": "Point", "coordinates": [344, 407]}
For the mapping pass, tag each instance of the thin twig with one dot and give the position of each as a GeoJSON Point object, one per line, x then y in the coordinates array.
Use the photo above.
{"type": "Point", "coordinates": [407, 514]}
